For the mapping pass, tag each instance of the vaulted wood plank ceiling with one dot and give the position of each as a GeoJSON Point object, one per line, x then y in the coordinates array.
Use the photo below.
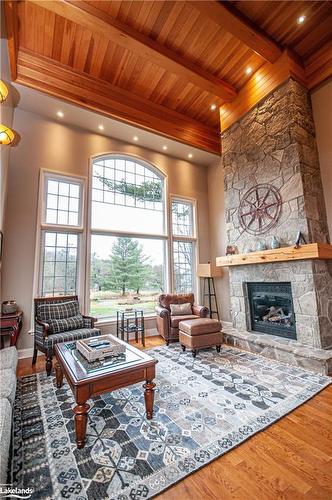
{"type": "Point", "coordinates": [160, 64]}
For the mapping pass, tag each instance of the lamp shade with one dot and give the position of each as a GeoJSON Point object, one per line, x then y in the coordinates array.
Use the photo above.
{"type": "Point", "coordinates": [6, 135]}
{"type": "Point", "coordinates": [3, 91]}
{"type": "Point", "coordinates": [208, 271]}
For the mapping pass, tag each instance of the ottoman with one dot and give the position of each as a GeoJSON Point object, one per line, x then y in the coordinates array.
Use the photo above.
{"type": "Point", "coordinates": [199, 334]}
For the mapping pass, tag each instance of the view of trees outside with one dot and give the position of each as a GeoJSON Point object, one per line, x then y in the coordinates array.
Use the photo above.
{"type": "Point", "coordinates": [59, 272]}
{"type": "Point", "coordinates": [128, 272]}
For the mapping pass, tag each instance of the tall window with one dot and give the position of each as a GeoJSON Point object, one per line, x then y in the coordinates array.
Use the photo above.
{"type": "Point", "coordinates": [128, 236]}
{"type": "Point", "coordinates": [134, 252]}
{"type": "Point", "coordinates": [61, 227]}
{"type": "Point", "coordinates": [184, 238]}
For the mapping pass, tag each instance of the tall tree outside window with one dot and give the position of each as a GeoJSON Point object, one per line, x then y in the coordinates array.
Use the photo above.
{"type": "Point", "coordinates": [127, 266]}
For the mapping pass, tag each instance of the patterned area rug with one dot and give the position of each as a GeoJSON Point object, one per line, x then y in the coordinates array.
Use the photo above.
{"type": "Point", "coordinates": [203, 408]}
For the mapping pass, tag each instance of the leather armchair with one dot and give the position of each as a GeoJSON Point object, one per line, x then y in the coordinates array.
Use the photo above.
{"type": "Point", "coordinates": [168, 325]}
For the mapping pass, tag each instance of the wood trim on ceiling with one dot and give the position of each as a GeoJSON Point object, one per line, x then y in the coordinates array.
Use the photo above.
{"type": "Point", "coordinates": [101, 23]}
{"type": "Point", "coordinates": [58, 80]}
{"type": "Point", "coordinates": [11, 16]}
{"type": "Point", "coordinates": [231, 20]}
{"type": "Point", "coordinates": [318, 67]}
{"type": "Point", "coordinates": [262, 83]}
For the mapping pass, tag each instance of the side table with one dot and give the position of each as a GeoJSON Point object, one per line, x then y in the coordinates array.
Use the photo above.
{"type": "Point", "coordinates": [11, 324]}
{"type": "Point", "coordinates": [130, 322]}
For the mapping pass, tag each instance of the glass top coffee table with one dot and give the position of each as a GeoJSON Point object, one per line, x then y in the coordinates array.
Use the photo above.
{"type": "Point", "coordinates": [90, 379]}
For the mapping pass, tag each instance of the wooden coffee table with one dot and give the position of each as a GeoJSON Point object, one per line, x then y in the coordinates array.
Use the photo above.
{"type": "Point", "coordinates": [87, 380]}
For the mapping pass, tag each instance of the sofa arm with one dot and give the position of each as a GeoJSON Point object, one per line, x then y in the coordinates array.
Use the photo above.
{"type": "Point", "coordinates": [163, 321]}
{"type": "Point", "coordinates": [201, 311]}
{"type": "Point", "coordinates": [89, 321]}
{"type": "Point", "coordinates": [162, 312]}
{"type": "Point", "coordinates": [41, 329]}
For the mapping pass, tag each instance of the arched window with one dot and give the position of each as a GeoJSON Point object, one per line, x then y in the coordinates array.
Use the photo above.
{"type": "Point", "coordinates": [128, 235]}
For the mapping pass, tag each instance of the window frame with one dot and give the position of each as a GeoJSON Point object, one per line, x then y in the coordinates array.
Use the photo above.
{"type": "Point", "coordinates": [85, 231]}
{"type": "Point", "coordinates": [165, 236]}
{"type": "Point", "coordinates": [190, 239]}
{"type": "Point", "coordinates": [43, 227]}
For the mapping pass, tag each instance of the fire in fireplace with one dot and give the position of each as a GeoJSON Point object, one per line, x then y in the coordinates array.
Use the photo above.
{"type": "Point", "coordinates": [271, 308]}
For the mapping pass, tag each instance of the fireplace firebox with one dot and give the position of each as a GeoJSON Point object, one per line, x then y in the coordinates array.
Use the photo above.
{"type": "Point", "coordinates": [271, 308]}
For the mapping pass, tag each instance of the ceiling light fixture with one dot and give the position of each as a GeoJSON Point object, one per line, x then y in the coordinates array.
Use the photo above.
{"type": "Point", "coordinates": [60, 114]}
{"type": "Point", "coordinates": [3, 91]}
{"type": "Point", "coordinates": [101, 127]}
{"type": "Point", "coordinates": [135, 138]}
{"type": "Point", "coordinates": [164, 148]}
{"type": "Point", "coordinates": [213, 107]}
{"type": "Point", "coordinates": [190, 155]}
{"type": "Point", "coordinates": [249, 70]}
{"type": "Point", "coordinates": [6, 135]}
{"type": "Point", "coordinates": [300, 19]}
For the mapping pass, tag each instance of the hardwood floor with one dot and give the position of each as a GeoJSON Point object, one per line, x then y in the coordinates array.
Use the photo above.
{"type": "Point", "coordinates": [292, 459]}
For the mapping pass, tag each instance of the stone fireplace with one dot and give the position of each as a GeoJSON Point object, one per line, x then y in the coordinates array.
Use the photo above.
{"type": "Point", "coordinates": [274, 146]}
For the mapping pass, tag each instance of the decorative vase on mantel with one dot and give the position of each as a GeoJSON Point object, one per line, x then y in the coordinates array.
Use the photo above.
{"type": "Point", "coordinates": [260, 246]}
{"type": "Point", "coordinates": [275, 243]}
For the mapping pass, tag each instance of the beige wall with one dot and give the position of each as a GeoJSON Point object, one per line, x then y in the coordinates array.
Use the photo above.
{"type": "Point", "coordinates": [322, 110]}
{"type": "Point", "coordinates": [218, 238]}
{"type": "Point", "coordinates": [6, 118]}
{"type": "Point", "coordinates": [51, 145]}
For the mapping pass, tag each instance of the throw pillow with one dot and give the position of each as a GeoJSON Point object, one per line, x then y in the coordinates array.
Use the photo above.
{"type": "Point", "coordinates": [180, 309]}
{"type": "Point", "coordinates": [58, 310]}
{"type": "Point", "coordinates": [65, 325]}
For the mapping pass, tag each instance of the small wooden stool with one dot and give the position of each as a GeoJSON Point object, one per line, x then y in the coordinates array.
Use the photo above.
{"type": "Point", "coordinates": [200, 333]}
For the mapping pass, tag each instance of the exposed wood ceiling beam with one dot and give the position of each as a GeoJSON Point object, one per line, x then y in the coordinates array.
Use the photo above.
{"type": "Point", "coordinates": [49, 76]}
{"type": "Point", "coordinates": [235, 23]}
{"type": "Point", "coordinates": [99, 22]}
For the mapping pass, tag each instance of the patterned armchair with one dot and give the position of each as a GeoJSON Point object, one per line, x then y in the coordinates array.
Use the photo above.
{"type": "Point", "coordinates": [58, 319]}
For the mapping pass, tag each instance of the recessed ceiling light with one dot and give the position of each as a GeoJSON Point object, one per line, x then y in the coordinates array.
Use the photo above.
{"type": "Point", "coordinates": [249, 70]}
{"type": "Point", "coordinates": [164, 148]}
{"type": "Point", "coordinates": [213, 107]}
{"type": "Point", "coordinates": [135, 138]}
{"type": "Point", "coordinates": [60, 114]}
{"type": "Point", "coordinates": [101, 127]}
{"type": "Point", "coordinates": [190, 155]}
{"type": "Point", "coordinates": [300, 19]}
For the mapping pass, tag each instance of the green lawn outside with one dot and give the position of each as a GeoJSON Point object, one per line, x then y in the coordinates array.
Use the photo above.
{"type": "Point", "coordinates": [108, 308]}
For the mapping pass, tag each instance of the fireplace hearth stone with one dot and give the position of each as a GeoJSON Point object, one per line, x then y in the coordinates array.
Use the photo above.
{"type": "Point", "coordinates": [285, 350]}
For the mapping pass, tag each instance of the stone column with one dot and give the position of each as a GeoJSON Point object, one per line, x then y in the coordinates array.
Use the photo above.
{"type": "Point", "coordinates": [275, 144]}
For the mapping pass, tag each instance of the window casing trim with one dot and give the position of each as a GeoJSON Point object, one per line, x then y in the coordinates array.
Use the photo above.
{"type": "Point", "coordinates": [173, 238]}
{"type": "Point", "coordinates": [42, 227]}
{"type": "Point", "coordinates": [95, 231]}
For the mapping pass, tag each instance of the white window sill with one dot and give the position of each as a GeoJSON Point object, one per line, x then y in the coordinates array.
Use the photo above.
{"type": "Point", "coordinates": [112, 321]}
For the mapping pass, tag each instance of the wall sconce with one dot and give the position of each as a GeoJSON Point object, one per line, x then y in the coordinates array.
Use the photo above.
{"type": "Point", "coordinates": [3, 91]}
{"type": "Point", "coordinates": [6, 135]}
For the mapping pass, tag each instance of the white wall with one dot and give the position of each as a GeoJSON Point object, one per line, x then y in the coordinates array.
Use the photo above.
{"type": "Point", "coordinates": [321, 99]}
{"type": "Point", "coordinates": [52, 145]}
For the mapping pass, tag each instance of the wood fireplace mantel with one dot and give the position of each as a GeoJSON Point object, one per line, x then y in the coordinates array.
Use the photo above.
{"type": "Point", "coordinates": [311, 251]}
